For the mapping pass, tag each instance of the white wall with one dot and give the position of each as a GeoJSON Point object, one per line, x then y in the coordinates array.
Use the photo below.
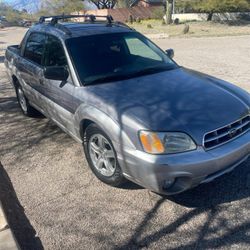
{"type": "Point", "coordinates": [203, 16]}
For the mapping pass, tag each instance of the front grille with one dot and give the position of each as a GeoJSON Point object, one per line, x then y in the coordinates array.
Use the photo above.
{"type": "Point", "coordinates": [226, 133]}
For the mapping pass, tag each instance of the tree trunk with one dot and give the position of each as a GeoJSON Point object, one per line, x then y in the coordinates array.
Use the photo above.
{"type": "Point", "coordinates": [169, 12]}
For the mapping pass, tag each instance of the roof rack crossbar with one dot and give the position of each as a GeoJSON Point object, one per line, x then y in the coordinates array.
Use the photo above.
{"type": "Point", "coordinates": [92, 18]}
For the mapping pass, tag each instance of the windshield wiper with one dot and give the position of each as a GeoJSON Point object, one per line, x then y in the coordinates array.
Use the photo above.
{"type": "Point", "coordinates": [145, 71]}
{"type": "Point", "coordinates": [151, 70]}
{"type": "Point", "coordinates": [105, 79]}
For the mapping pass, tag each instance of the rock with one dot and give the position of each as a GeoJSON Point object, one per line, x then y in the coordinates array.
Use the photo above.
{"type": "Point", "coordinates": [186, 29]}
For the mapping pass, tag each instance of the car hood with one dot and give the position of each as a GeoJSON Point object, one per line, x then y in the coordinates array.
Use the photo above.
{"type": "Point", "coordinates": [175, 100]}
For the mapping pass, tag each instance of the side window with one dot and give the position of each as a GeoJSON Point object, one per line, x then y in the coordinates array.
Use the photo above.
{"type": "Point", "coordinates": [139, 48]}
{"type": "Point", "coordinates": [35, 47]}
{"type": "Point", "coordinates": [54, 53]}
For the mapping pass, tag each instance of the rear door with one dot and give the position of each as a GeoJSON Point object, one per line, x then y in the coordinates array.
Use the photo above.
{"type": "Point", "coordinates": [30, 67]}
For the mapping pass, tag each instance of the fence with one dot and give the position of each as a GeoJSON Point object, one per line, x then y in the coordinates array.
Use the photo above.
{"type": "Point", "coordinates": [122, 14]}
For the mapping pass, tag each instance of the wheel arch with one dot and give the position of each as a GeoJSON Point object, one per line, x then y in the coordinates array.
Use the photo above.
{"type": "Point", "coordinates": [15, 81]}
{"type": "Point", "coordinates": [84, 123]}
{"type": "Point", "coordinates": [89, 114]}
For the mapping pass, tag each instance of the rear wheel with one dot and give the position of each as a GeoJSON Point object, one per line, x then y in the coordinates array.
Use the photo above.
{"type": "Point", "coordinates": [101, 156]}
{"type": "Point", "coordinates": [26, 108]}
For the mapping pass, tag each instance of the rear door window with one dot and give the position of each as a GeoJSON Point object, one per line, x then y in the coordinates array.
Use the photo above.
{"type": "Point", "coordinates": [54, 52]}
{"type": "Point", "coordinates": [35, 47]}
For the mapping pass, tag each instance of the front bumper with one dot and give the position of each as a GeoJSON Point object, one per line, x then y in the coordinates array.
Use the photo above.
{"type": "Point", "coordinates": [183, 170]}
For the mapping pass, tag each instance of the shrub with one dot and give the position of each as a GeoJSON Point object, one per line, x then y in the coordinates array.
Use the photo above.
{"type": "Point", "coordinates": [176, 21]}
{"type": "Point", "coordinates": [131, 19]}
{"type": "Point", "coordinates": [138, 19]}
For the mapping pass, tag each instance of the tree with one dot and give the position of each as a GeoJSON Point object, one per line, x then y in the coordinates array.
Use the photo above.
{"type": "Point", "coordinates": [104, 4]}
{"type": "Point", "coordinates": [185, 6]}
{"type": "Point", "coordinates": [126, 3]}
{"type": "Point", "coordinates": [13, 15]}
{"type": "Point", "coordinates": [213, 6]}
{"type": "Point", "coordinates": [57, 7]}
{"type": "Point", "coordinates": [169, 11]}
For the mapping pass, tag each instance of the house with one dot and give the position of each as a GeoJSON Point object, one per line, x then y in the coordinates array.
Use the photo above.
{"type": "Point", "coordinates": [142, 9]}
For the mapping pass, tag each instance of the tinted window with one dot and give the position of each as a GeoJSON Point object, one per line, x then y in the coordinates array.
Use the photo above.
{"type": "Point", "coordinates": [35, 47]}
{"type": "Point", "coordinates": [116, 56]}
{"type": "Point", "coordinates": [54, 53]}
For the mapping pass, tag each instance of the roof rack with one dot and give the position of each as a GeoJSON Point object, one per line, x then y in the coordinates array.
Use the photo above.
{"type": "Point", "coordinates": [53, 20]}
{"type": "Point", "coordinates": [92, 18]}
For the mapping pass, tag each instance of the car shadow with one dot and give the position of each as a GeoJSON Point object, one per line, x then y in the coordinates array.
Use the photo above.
{"type": "Point", "coordinates": [24, 233]}
{"type": "Point", "coordinates": [130, 186]}
{"type": "Point", "coordinates": [204, 200]}
{"type": "Point", "coordinates": [1, 59]}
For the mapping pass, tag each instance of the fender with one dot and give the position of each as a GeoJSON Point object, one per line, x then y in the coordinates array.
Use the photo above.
{"type": "Point", "coordinates": [106, 123]}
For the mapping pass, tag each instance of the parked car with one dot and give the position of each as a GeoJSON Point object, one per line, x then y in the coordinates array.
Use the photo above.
{"type": "Point", "coordinates": [25, 23]}
{"type": "Point", "coordinates": [4, 23]}
{"type": "Point", "coordinates": [139, 115]}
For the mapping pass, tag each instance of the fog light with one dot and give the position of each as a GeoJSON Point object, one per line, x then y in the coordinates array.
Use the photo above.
{"type": "Point", "coordinates": [168, 183]}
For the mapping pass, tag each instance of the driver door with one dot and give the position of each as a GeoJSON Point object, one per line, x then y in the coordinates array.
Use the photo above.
{"type": "Point", "coordinates": [58, 95]}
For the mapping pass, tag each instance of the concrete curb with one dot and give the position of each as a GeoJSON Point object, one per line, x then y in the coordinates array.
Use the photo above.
{"type": "Point", "coordinates": [7, 239]}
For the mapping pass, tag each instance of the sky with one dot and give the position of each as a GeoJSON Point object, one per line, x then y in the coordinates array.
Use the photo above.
{"type": "Point", "coordinates": [32, 5]}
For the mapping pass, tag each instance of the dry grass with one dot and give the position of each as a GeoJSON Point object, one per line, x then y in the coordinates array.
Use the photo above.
{"type": "Point", "coordinates": [197, 29]}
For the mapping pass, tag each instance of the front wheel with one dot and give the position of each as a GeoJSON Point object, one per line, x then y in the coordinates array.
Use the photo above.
{"type": "Point", "coordinates": [101, 156]}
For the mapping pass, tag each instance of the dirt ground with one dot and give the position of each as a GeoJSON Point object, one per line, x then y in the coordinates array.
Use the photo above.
{"type": "Point", "coordinates": [196, 29]}
{"type": "Point", "coordinates": [53, 201]}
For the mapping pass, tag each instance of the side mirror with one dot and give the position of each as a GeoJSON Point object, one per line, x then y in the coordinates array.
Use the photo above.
{"type": "Point", "coordinates": [58, 73]}
{"type": "Point", "coordinates": [170, 53]}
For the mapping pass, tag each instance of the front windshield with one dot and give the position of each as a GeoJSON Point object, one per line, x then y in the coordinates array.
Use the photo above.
{"type": "Point", "coordinates": [116, 56]}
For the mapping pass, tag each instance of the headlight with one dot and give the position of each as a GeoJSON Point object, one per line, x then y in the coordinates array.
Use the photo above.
{"type": "Point", "coordinates": [166, 143]}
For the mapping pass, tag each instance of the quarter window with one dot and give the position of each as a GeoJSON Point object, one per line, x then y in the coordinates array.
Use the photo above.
{"type": "Point", "coordinates": [35, 47]}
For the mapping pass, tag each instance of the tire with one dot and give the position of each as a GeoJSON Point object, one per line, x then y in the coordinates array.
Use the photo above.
{"type": "Point", "coordinates": [101, 156]}
{"type": "Point", "coordinates": [23, 102]}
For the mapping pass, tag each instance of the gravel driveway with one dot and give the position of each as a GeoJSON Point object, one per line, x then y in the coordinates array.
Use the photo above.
{"type": "Point", "coordinates": [53, 201]}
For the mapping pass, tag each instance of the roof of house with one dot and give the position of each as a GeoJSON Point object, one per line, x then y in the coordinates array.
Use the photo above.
{"type": "Point", "coordinates": [146, 1]}
{"type": "Point", "coordinates": [154, 1]}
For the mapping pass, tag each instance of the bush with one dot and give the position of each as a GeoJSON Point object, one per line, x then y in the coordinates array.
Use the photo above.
{"type": "Point", "coordinates": [176, 21]}
{"type": "Point", "coordinates": [138, 20]}
{"type": "Point", "coordinates": [131, 19]}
